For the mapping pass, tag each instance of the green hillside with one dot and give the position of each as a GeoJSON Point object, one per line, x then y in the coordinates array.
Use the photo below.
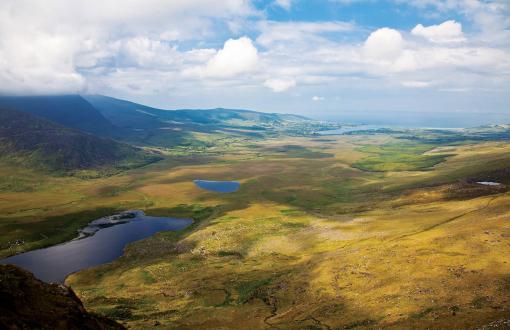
{"type": "Point", "coordinates": [36, 142]}
{"type": "Point", "coordinates": [132, 115]}
{"type": "Point", "coordinates": [196, 129]}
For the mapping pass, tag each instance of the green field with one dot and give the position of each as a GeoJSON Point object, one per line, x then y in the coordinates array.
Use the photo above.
{"type": "Point", "coordinates": [398, 157]}
{"type": "Point", "coordinates": [358, 231]}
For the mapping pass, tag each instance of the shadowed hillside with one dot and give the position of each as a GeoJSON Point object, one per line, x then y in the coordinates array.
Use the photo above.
{"type": "Point", "coordinates": [124, 113]}
{"type": "Point", "coordinates": [68, 110]}
{"type": "Point", "coordinates": [27, 303]}
{"type": "Point", "coordinates": [32, 141]}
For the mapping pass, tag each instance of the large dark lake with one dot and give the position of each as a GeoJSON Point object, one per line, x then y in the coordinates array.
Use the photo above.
{"type": "Point", "coordinates": [106, 243]}
{"type": "Point", "coordinates": [218, 186]}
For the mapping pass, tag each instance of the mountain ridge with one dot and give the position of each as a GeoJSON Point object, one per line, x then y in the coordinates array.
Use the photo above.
{"type": "Point", "coordinates": [92, 96]}
{"type": "Point", "coordinates": [68, 110]}
{"type": "Point", "coordinates": [116, 111]}
{"type": "Point", "coordinates": [30, 140]}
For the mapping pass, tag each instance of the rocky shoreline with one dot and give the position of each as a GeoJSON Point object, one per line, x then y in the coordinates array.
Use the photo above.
{"type": "Point", "coordinates": [109, 221]}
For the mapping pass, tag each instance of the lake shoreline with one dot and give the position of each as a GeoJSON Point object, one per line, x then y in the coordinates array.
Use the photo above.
{"type": "Point", "coordinates": [218, 186]}
{"type": "Point", "coordinates": [102, 241]}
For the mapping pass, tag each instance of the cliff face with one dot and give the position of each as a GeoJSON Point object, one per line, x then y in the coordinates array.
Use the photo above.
{"type": "Point", "coordinates": [28, 303]}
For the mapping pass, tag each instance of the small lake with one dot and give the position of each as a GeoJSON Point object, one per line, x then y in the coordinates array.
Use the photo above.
{"type": "Point", "coordinates": [102, 241]}
{"type": "Point", "coordinates": [489, 183]}
{"type": "Point", "coordinates": [218, 186]}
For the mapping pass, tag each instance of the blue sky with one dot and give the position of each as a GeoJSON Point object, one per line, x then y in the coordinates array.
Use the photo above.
{"type": "Point", "coordinates": [322, 58]}
{"type": "Point", "coordinates": [370, 14]}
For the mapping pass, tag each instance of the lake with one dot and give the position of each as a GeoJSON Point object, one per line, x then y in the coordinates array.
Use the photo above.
{"type": "Point", "coordinates": [218, 186]}
{"type": "Point", "coordinates": [489, 183]}
{"type": "Point", "coordinates": [348, 129]}
{"type": "Point", "coordinates": [102, 241]}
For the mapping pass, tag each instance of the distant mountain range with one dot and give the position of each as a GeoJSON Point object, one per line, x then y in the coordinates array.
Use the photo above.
{"type": "Point", "coordinates": [149, 126]}
{"type": "Point", "coordinates": [70, 132]}
{"type": "Point", "coordinates": [132, 115]}
{"type": "Point", "coordinates": [166, 128]}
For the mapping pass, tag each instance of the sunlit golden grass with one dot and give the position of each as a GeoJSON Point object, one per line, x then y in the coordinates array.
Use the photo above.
{"type": "Point", "coordinates": [335, 272]}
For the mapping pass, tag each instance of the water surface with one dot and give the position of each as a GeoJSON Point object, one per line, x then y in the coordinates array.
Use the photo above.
{"type": "Point", "coordinates": [489, 183]}
{"type": "Point", "coordinates": [218, 186]}
{"type": "Point", "coordinates": [348, 129]}
{"type": "Point", "coordinates": [105, 243]}
{"type": "Point", "coordinates": [418, 119]}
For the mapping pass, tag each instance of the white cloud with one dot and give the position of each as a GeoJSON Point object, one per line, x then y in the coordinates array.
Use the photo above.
{"type": "Point", "coordinates": [415, 84]}
{"type": "Point", "coordinates": [145, 52]}
{"type": "Point", "coordinates": [178, 48]}
{"type": "Point", "coordinates": [280, 85]}
{"type": "Point", "coordinates": [318, 98]}
{"type": "Point", "coordinates": [285, 4]}
{"type": "Point", "coordinates": [455, 90]}
{"type": "Point", "coordinates": [384, 44]}
{"type": "Point", "coordinates": [47, 46]}
{"type": "Point", "coordinates": [387, 57]}
{"type": "Point", "coordinates": [237, 56]}
{"type": "Point", "coordinates": [439, 59]}
{"type": "Point", "coordinates": [490, 17]}
{"type": "Point", "coordinates": [300, 32]}
{"type": "Point", "coordinates": [449, 31]}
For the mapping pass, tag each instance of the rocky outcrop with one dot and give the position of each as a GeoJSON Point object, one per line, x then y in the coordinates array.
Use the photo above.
{"type": "Point", "coordinates": [28, 303]}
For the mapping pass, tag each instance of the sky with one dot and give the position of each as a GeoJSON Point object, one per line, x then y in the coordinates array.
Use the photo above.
{"type": "Point", "coordinates": [327, 59]}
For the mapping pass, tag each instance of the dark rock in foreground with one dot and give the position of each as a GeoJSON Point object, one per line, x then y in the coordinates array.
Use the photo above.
{"type": "Point", "coordinates": [27, 303]}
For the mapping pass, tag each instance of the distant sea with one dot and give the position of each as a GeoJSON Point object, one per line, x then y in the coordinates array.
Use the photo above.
{"type": "Point", "coordinates": [422, 120]}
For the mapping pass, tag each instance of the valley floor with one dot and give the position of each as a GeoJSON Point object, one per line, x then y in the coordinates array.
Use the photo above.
{"type": "Point", "coordinates": [363, 231]}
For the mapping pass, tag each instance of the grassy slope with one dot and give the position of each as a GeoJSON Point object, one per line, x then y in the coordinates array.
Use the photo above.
{"type": "Point", "coordinates": [34, 142]}
{"type": "Point", "coordinates": [297, 259]}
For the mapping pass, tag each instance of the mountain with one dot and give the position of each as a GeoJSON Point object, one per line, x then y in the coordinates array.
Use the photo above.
{"type": "Point", "coordinates": [149, 126]}
{"type": "Point", "coordinates": [132, 115]}
{"type": "Point", "coordinates": [33, 141]}
{"type": "Point", "coordinates": [68, 110]}
{"type": "Point", "coordinates": [226, 117]}
{"type": "Point", "coordinates": [27, 303]}
{"type": "Point", "coordinates": [146, 126]}
{"type": "Point", "coordinates": [124, 113]}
